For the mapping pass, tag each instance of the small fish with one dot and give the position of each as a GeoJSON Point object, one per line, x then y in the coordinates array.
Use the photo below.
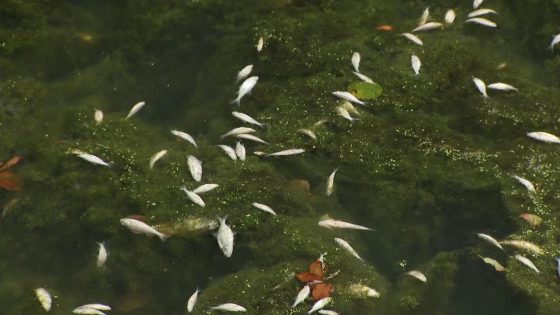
{"type": "Point", "coordinates": [44, 298]}
{"type": "Point", "coordinates": [260, 44]}
{"type": "Point", "coordinates": [287, 152]}
{"type": "Point", "coordinates": [482, 21]}
{"type": "Point", "coordinates": [337, 224]}
{"type": "Point", "coordinates": [90, 158]}
{"type": "Point", "coordinates": [250, 137]}
{"type": "Point", "coordinates": [205, 188]}
{"type": "Point", "coordinates": [240, 151]}
{"type": "Point", "coordinates": [344, 244]}
{"type": "Point", "coordinates": [530, 187]}
{"type": "Point", "coordinates": [156, 157]}
{"type": "Point", "coordinates": [476, 4]}
{"type": "Point", "coordinates": [96, 306]}
{"type": "Point", "coordinates": [356, 61]}
{"type": "Point", "coordinates": [363, 77]}
{"type": "Point", "coordinates": [310, 133]}
{"type": "Point", "coordinates": [528, 246]}
{"type": "Point", "coordinates": [554, 42]}
{"type": "Point", "coordinates": [481, 12]}
{"type": "Point", "coordinates": [527, 262]}
{"type": "Point", "coordinates": [192, 301]}
{"type": "Point", "coordinates": [237, 131]}
{"type": "Point", "coordinates": [246, 118]}
{"type": "Point", "coordinates": [135, 109]}
{"type": "Point", "coordinates": [229, 151]}
{"type": "Point", "coordinates": [244, 73]}
{"type": "Point", "coordinates": [481, 86]}
{"type": "Point", "coordinates": [302, 295]}
{"type": "Point", "coordinates": [501, 87]}
{"type": "Point", "coordinates": [229, 307]}
{"type": "Point", "coordinates": [494, 263]}
{"type": "Point", "coordinates": [348, 97]}
{"type": "Point", "coordinates": [98, 116]}
{"type": "Point", "coordinates": [139, 227]}
{"type": "Point", "coordinates": [195, 167]}
{"type": "Point", "coordinates": [544, 137]}
{"type": "Point", "coordinates": [327, 312]}
{"type": "Point", "coordinates": [450, 16]}
{"type": "Point", "coordinates": [350, 108]}
{"type": "Point", "coordinates": [424, 17]}
{"type": "Point", "coordinates": [532, 219]}
{"type": "Point", "coordinates": [558, 267]}
{"type": "Point", "coordinates": [417, 274]}
{"type": "Point", "coordinates": [245, 88]}
{"type": "Point", "coordinates": [413, 38]}
{"type": "Point", "coordinates": [330, 184]}
{"type": "Point", "coordinates": [87, 311]}
{"type": "Point", "coordinates": [259, 153]}
{"type": "Point", "coordinates": [416, 64]}
{"type": "Point", "coordinates": [101, 255]}
{"type": "Point", "coordinates": [490, 240]}
{"type": "Point", "coordinates": [225, 237]}
{"type": "Point", "coordinates": [428, 27]}
{"type": "Point", "coordinates": [262, 207]}
{"type": "Point", "coordinates": [343, 112]}
{"type": "Point", "coordinates": [193, 197]}
{"type": "Point", "coordinates": [185, 136]}
{"type": "Point", "coordinates": [363, 290]}
{"type": "Point", "coordinates": [319, 304]}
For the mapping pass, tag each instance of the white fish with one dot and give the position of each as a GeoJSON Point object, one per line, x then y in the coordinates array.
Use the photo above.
{"type": "Point", "coordinates": [246, 118]}
{"type": "Point", "coordinates": [90, 158]}
{"type": "Point", "coordinates": [260, 44]}
{"type": "Point", "coordinates": [343, 112]}
{"type": "Point", "coordinates": [240, 151]}
{"type": "Point", "coordinates": [244, 73]}
{"type": "Point", "coordinates": [482, 21]}
{"type": "Point", "coordinates": [476, 4]}
{"type": "Point", "coordinates": [185, 136]}
{"type": "Point", "coordinates": [139, 227]}
{"type": "Point", "coordinates": [424, 17]}
{"type": "Point", "coordinates": [229, 307]}
{"type": "Point", "coordinates": [490, 240]}
{"type": "Point", "coordinates": [262, 207]}
{"type": "Point", "coordinates": [156, 157]}
{"type": "Point", "coordinates": [137, 107]}
{"type": "Point", "coordinates": [527, 262]}
{"type": "Point", "coordinates": [302, 295]}
{"type": "Point", "coordinates": [480, 12]}
{"type": "Point", "coordinates": [87, 311]}
{"type": "Point", "coordinates": [554, 42]}
{"type": "Point", "coordinates": [192, 301]}
{"type": "Point", "coordinates": [44, 298]}
{"type": "Point", "coordinates": [225, 237]}
{"type": "Point", "coordinates": [96, 306]}
{"type": "Point", "coordinates": [361, 290]}
{"type": "Point", "coordinates": [229, 151]}
{"type": "Point", "coordinates": [337, 224]}
{"type": "Point", "coordinates": [98, 116]}
{"type": "Point", "coordinates": [327, 312]}
{"type": "Point", "coordinates": [287, 152]}
{"type": "Point", "coordinates": [310, 133]}
{"type": "Point", "coordinates": [450, 16]}
{"type": "Point", "coordinates": [528, 246]}
{"type": "Point", "coordinates": [417, 274]}
{"type": "Point", "coordinates": [195, 167]}
{"type": "Point", "coordinates": [205, 188]}
{"type": "Point", "coordinates": [481, 86]}
{"type": "Point", "coordinates": [101, 255]}
{"type": "Point", "coordinates": [330, 184]}
{"type": "Point", "coordinates": [348, 97]}
{"type": "Point", "coordinates": [245, 88]}
{"type": "Point", "coordinates": [413, 38]}
{"type": "Point", "coordinates": [356, 61]}
{"type": "Point", "coordinates": [250, 137]}
{"type": "Point", "coordinates": [501, 87]}
{"type": "Point", "coordinates": [494, 263]}
{"type": "Point", "coordinates": [428, 27]}
{"type": "Point", "coordinates": [363, 77]}
{"type": "Point", "coordinates": [544, 137]}
{"type": "Point", "coordinates": [237, 131]}
{"type": "Point", "coordinates": [195, 198]}
{"type": "Point", "coordinates": [530, 187]}
{"type": "Point", "coordinates": [319, 304]}
{"type": "Point", "coordinates": [344, 244]}
{"type": "Point", "coordinates": [350, 108]}
{"type": "Point", "coordinates": [259, 153]}
{"type": "Point", "coordinates": [416, 64]}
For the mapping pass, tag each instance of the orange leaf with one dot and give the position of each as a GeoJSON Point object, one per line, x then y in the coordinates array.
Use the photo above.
{"type": "Point", "coordinates": [316, 268]}
{"type": "Point", "coordinates": [321, 291]}
{"type": "Point", "coordinates": [384, 28]}
{"type": "Point", "coordinates": [306, 277]}
{"type": "Point", "coordinates": [11, 162]}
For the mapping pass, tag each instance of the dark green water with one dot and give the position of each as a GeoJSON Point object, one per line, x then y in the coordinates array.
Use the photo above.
{"type": "Point", "coordinates": [428, 165]}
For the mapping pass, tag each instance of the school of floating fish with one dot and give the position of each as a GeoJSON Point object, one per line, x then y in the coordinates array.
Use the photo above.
{"type": "Point", "coordinates": [225, 235]}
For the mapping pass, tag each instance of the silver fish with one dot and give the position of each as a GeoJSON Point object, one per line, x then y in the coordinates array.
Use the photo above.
{"type": "Point", "coordinates": [527, 262]}
{"type": "Point", "coordinates": [344, 244]}
{"type": "Point", "coordinates": [530, 187]}
{"type": "Point", "coordinates": [363, 77]}
{"type": "Point", "coordinates": [343, 112]}
{"type": "Point", "coordinates": [330, 184]}
{"type": "Point", "coordinates": [413, 38]}
{"type": "Point", "coordinates": [90, 158]}
{"type": "Point", "coordinates": [558, 266]}
{"type": "Point", "coordinates": [302, 295]}
{"type": "Point", "coordinates": [139, 227]}
{"type": "Point", "coordinates": [424, 17]}
{"type": "Point", "coordinates": [417, 274]}
{"type": "Point", "coordinates": [544, 137]}
{"type": "Point", "coordinates": [240, 151]}
{"type": "Point", "coordinates": [501, 87]}
{"type": "Point", "coordinates": [193, 197]}
{"type": "Point", "coordinates": [246, 118]}
{"type": "Point", "coordinates": [554, 42]}
{"type": "Point", "coordinates": [44, 298]}
{"type": "Point", "coordinates": [243, 73]}
{"type": "Point", "coordinates": [135, 109]}
{"type": "Point", "coordinates": [481, 12]}
{"type": "Point", "coordinates": [260, 44]}
{"type": "Point", "coordinates": [310, 133]}
{"type": "Point", "coordinates": [237, 131]}
{"type": "Point", "coordinates": [185, 136]}
{"type": "Point", "coordinates": [98, 116]}
{"type": "Point", "coordinates": [525, 245]}
{"type": "Point", "coordinates": [428, 27]}
{"type": "Point", "coordinates": [263, 207]}
{"type": "Point", "coordinates": [287, 152]}
{"type": "Point", "coordinates": [363, 290]}
{"type": "Point", "coordinates": [245, 88]}
{"type": "Point", "coordinates": [225, 237]}
{"type": "Point", "coordinates": [87, 311]}
{"type": "Point", "coordinates": [350, 108]}
{"type": "Point", "coordinates": [319, 304]}
{"type": "Point", "coordinates": [205, 188]}
{"type": "Point", "coordinates": [229, 151]}
{"type": "Point", "coordinates": [416, 64]}
{"type": "Point", "coordinates": [337, 224]}
{"type": "Point", "coordinates": [250, 137]}
{"type": "Point", "coordinates": [192, 301]}
{"type": "Point", "coordinates": [195, 167]}
{"type": "Point", "coordinates": [156, 157]}
{"type": "Point", "coordinates": [348, 97]}
{"type": "Point", "coordinates": [96, 306]}
{"type": "Point", "coordinates": [476, 4]}
{"type": "Point", "coordinates": [101, 255]}
{"type": "Point", "coordinates": [356, 61]}
{"type": "Point", "coordinates": [482, 21]}
{"type": "Point", "coordinates": [327, 312]}
{"type": "Point", "coordinates": [481, 86]}
{"type": "Point", "coordinates": [229, 307]}
{"type": "Point", "coordinates": [490, 240]}
{"type": "Point", "coordinates": [450, 16]}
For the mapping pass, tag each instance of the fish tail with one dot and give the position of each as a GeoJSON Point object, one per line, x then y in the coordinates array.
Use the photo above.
{"type": "Point", "coordinates": [223, 219]}
{"type": "Point", "coordinates": [163, 237]}
{"type": "Point", "coordinates": [236, 101]}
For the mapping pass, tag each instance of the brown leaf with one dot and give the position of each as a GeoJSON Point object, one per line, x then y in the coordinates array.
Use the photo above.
{"type": "Point", "coordinates": [9, 181]}
{"type": "Point", "coordinates": [316, 268]}
{"type": "Point", "coordinates": [11, 162]}
{"type": "Point", "coordinates": [321, 291]}
{"type": "Point", "coordinates": [306, 277]}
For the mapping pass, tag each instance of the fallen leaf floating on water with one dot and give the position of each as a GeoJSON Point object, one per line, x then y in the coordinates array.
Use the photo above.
{"type": "Point", "coordinates": [185, 136]}
{"type": "Point", "coordinates": [156, 157]}
{"type": "Point", "coordinates": [413, 38]}
{"type": "Point", "coordinates": [319, 305]}
{"type": "Point", "coordinates": [135, 109]}
{"type": "Point", "coordinates": [44, 298]}
{"type": "Point", "coordinates": [229, 307]}
{"type": "Point", "coordinates": [9, 181]}
{"type": "Point", "coordinates": [533, 219]}
{"type": "Point", "coordinates": [497, 266]}
{"type": "Point", "coordinates": [316, 272]}
{"type": "Point", "coordinates": [356, 61]}
{"type": "Point", "coordinates": [192, 301]}
{"type": "Point", "coordinates": [490, 240]}
{"type": "Point", "coordinates": [246, 118]}
{"type": "Point", "coordinates": [384, 28]}
{"type": "Point", "coordinates": [544, 137]}
{"type": "Point", "coordinates": [480, 12]}
{"type": "Point", "coordinates": [417, 274]}
{"type": "Point", "coordinates": [321, 290]}
{"type": "Point", "coordinates": [428, 27]}
{"type": "Point", "coordinates": [527, 262]}
{"type": "Point", "coordinates": [9, 163]}
{"type": "Point", "coordinates": [524, 245]}
{"type": "Point", "coordinates": [244, 73]}
{"type": "Point", "coordinates": [482, 21]}
{"type": "Point", "coordinates": [530, 187]}
{"type": "Point", "coordinates": [450, 16]}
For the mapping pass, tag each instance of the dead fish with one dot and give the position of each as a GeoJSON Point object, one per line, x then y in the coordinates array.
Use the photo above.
{"type": "Point", "coordinates": [330, 184]}
{"type": "Point", "coordinates": [228, 307]}
{"type": "Point", "coordinates": [96, 306]}
{"type": "Point", "coordinates": [363, 77]}
{"type": "Point", "coordinates": [350, 108]}
{"type": "Point", "coordinates": [356, 61]}
{"type": "Point", "coordinates": [98, 116]}
{"type": "Point", "coordinates": [185, 136]}
{"type": "Point", "coordinates": [525, 245]}
{"type": "Point", "coordinates": [139, 227]}
{"type": "Point", "coordinates": [499, 86]}
{"type": "Point", "coordinates": [195, 167]}
{"type": "Point", "coordinates": [302, 295]}
{"type": "Point", "coordinates": [348, 97]}
{"type": "Point", "coordinates": [87, 311]}
{"type": "Point", "coordinates": [527, 262]}
{"type": "Point", "coordinates": [319, 305]}
{"type": "Point", "coordinates": [482, 21]}
{"type": "Point", "coordinates": [250, 137]}
{"type": "Point", "coordinates": [101, 255]}
{"type": "Point", "coordinates": [205, 188]}
{"type": "Point", "coordinates": [240, 151]}
{"type": "Point", "coordinates": [532, 219]}
{"type": "Point", "coordinates": [450, 16]}
{"type": "Point", "coordinates": [416, 64]}
{"type": "Point", "coordinates": [237, 131]}
{"type": "Point", "coordinates": [263, 207]}
{"type": "Point", "coordinates": [310, 133]}
{"type": "Point", "coordinates": [193, 197]}
{"type": "Point", "coordinates": [413, 38]}
{"type": "Point", "coordinates": [428, 27]}
{"type": "Point", "coordinates": [229, 151]}
{"type": "Point", "coordinates": [260, 44]}
{"type": "Point", "coordinates": [417, 274]}
{"type": "Point", "coordinates": [135, 109]}
{"type": "Point", "coordinates": [245, 88]}
{"type": "Point", "coordinates": [494, 263]}
{"type": "Point", "coordinates": [344, 244]}
{"type": "Point", "coordinates": [192, 301]}
{"type": "Point", "coordinates": [44, 298]}
{"type": "Point", "coordinates": [361, 290]}
{"type": "Point", "coordinates": [490, 240]}
{"type": "Point", "coordinates": [89, 157]}
{"type": "Point", "coordinates": [243, 73]}
{"type": "Point", "coordinates": [544, 137]}
{"type": "Point", "coordinates": [156, 157]}
{"type": "Point", "coordinates": [246, 118]}
{"type": "Point", "coordinates": [481, 12]}
{"type": "Point", "coordinates": [327, 312]}
{"type": "Point", "coordinates": [343, 112]}
{"type": "Point", "coordinates": [259, 153]}
{"type": "Point", "coordinates": [287, 152]}
{"type": "Point", "coordinates": [424, 17]}
{"type": "Point", "coordinates": [225, 237]}
{"type": "Point", "coordinates": [476, 4]}
{"type": "Point", "coordinates": [337, 224]}
{"type": "Point", "coordinates": [554, 42]}
{"type": "Point", "coordinates": [530, 187]}
{"type": "Point", "coordinates": [481, 86]}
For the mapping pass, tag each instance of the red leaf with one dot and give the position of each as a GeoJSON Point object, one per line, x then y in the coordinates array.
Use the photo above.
{"type": "Point", "coordinates": [316, 268]}
{"type": "Point", "coordinates": [11, 162]}
{"type": "Point", "coordinates": [321, 291]}
{"type": "Point", "coordinates": [306, 277]}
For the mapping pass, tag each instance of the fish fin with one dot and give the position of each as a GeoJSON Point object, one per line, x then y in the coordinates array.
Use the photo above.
{"type": "Point", "coordinates": [163, 237]}
{"type": "Point", "coordinates": [236, 101]}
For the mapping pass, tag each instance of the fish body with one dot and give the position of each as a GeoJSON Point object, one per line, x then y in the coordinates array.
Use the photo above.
{"type": "Point", "coordinates": [344, 244]}
{"type": "Point", "coordinates": [225, 237]}
{"type": "Point", "coordinates": [205, 188]}
{"type": "Point", "coordinates": [348, 97]}
{"type": "Point", "coordinates": [139, 227]}
{"type": "Point", "coordinates": [481, 86]}
{"type": "Point", "coordinates": [260, 44]}
{"type": "Point", "coordinates": [416, 64]}
{"type": "Point", "coordinates": [245, 88]}
{"type": "Point", "coordinates": [481, 12]}
{"type": "Point", "coordinates": [337, 224]}
{"type": "Point", "coordinates": [98, 116]}
{"type": "Point", "coordinates": [532, 219]}
{"type": "Point", "coordinates": [343, 112]}
{"type": "Point", "coordinates": [250, 137]}
{"type": "Point", "coordinates": [310, 133]}
{"type": "Point", "coordinates": [87, 311]}
{"type": "Point", "coordinates": [477, 3]}
{"type": "Point", "coordinates": [192, 301]}
{"type": "Point", "coordinates": [330, 184]}
{"type": "Point", "coordinates": [428, 27]}
{"type": "Point", "coordinates": [413, 38]}
{"type": "Point", "coordinates": [96, 306]}
{"type": "Point", "coordinates": [327, 312]}
{"type": "Point", "coordinates": [302, 295]}
{"type": "Point", "coordinates": [417, 274]}
{"type": "Point", "coordinates": [185, 136]}
{"type": "Point", "coordinates": [44, 298]}
{"type": "Point", "coordinates": [90, 158]}
{"type": "Point", "coordinates": [363, 77]}
{"type": "Point", "coordinates": [527, 262]}
{"type": "Point", "coordinates": [356, 61]}
{"type": "Point", "coordinates": [424, 17]}
{"type": "Point", "coordinates": [350, 108]}
{"type": "Point", "coordinates": [263, 207]}
{"type": "Point", "coordinates": [544, 137]}
{"type": "Point", "coordinates": [229, 151]}
{"type": "Point", "coordinates": [482, 21]}
{"type": "Point", "coordinates": [499, 86]}
{"type": "Point", "coordinates": [195, 198]}
{"type": "Point", "coordinates": [554, 42]}
{"type": "Point", "coordinates": [237, 131]}
{"type": "Point", "coordinates": [287, 152]}
{"type": "Point", "coordinates": [246, 118]}
{"type": "Point", "coordinates": [240, 151]}
{"type": "Point", "coordinates": [156, 157]}
{"type": "Point", "coordinates": [135, 109]}
{"type": "Point", "coordinates": [490, 240]}
{"type": "Point", "coordinates": [319, 305]}
{"type": "Point", "coordinates": [244, 73]}
{"type": "Point", "coordinates": [530, 187]}
{"type": "Point", "coordinates": [558, 266]}
{"type": "Point", "coordinates": [527, 246]}
{"type": "Point", "coordinates": [363, 290]}
{"type": "Point", "coordinates": [494, 263]}
{"type": "Point", "coordinates": [450, 16]}
{"type": "Point", "coordinates": [229, 307]}
{"type": "Point", "coordinates": [195, 167]}
{"type": "Point", "coordinates": [101, 255]}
